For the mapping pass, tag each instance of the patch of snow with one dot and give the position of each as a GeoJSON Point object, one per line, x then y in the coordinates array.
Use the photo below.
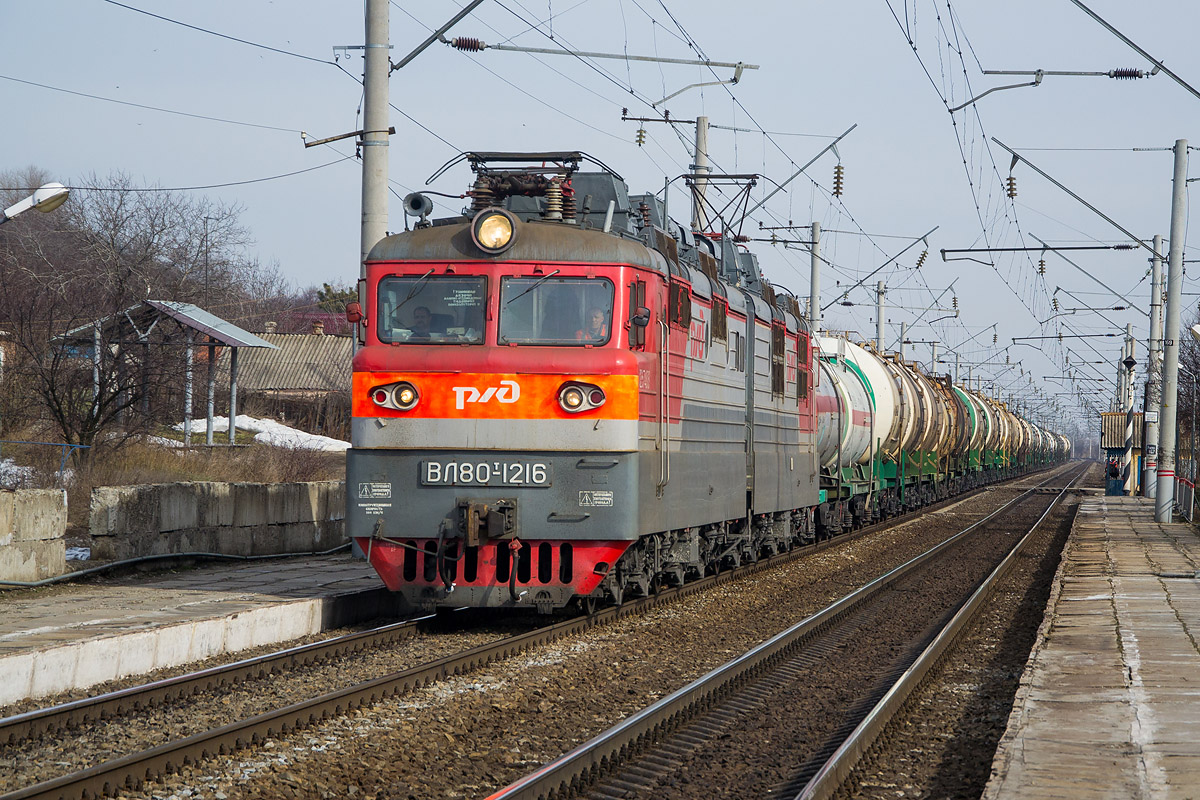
{"type": "Point", "coordinates": [79, 553]}
{"type": "Point", "coordinates": [268, 431]}
{"type": "Point", "coordinates": [13, 476]}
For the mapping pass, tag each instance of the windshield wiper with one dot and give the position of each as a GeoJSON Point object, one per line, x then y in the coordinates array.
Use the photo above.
{"type": "Point", "coordinates": [413, 291]}
{"type": "Point", "coordinates": [536, 284]}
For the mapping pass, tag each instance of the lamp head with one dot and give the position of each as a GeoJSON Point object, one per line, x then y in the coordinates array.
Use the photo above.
{"type": "Point", "coordinates": [50, 196]}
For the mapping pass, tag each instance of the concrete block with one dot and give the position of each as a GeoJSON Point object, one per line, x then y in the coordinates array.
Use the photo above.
{"type": "Point", "coordinates": [268, 540]}
{"type": "Point", "coordinates": [249, 504]}
{"type": "Point", "coordinates": [333, 499]}
{"type": "Point", "coordinates": [33, 561]}
{"type": "Point", "coordinates": [39, 514]}
{"type": "Point", "coordinates": [54, 670]}
{"type": "Point", "coordinates": [216, 504]}
{"type": "Point", "coordinates": [300, 537]}
{"type": "Point", "coordinates": [332, 533]}
{"type": "Point", "coordinates": [18, 671]}
{"type": "Point", "coordinates": [7, 500]}
{"type": "Point", "coordinates": [178, 505]}
{"type": "Point", "coordinates": [200, 540]}
{"type": "Point", "coordinates": [283, 501]}
{"type": "Point", "coordinates": [136, 654]}
{"type": "Point", "coordinates": [122, 509]}
{"type": "Point", "coordinates": [235, 541]}
{"type": "Point", "coordinates": [311, 501]}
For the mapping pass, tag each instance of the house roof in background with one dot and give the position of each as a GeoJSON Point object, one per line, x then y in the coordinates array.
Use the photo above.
{"type": "Point", "coordinates": [299, 362]}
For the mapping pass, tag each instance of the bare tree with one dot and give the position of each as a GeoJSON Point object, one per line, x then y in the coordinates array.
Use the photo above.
{"type": "Point", "coordinates": [66, 281]}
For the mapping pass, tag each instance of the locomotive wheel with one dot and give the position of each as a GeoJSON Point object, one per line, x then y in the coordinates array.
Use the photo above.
{"type": "Point", "coordinates": [589, 605]}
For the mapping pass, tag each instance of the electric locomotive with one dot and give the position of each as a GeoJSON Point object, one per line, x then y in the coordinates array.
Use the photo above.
{"type": "Point", "coordinates": [563, 394]}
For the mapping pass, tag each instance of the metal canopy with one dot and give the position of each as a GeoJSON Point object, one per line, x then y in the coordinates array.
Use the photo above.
{"type": "Point", "coordinates": [143, 316]}
{"type": "Point", "coordinates": [192, 316]}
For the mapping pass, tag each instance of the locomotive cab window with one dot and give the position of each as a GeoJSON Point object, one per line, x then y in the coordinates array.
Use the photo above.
{"type": "Point", "coordinates": [432, 309]}
{"type": "Point", "coordinates": [559, 311]}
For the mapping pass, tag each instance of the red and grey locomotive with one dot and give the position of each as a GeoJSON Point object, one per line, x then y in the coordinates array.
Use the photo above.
{"type": "Point", "coordinates": [563, 394]}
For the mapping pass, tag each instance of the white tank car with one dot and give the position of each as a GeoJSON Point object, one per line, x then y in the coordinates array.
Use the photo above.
{"type": "Point", "coordinates": [844, 409]}
{"type": "Point", "coordinates": [888, 416]}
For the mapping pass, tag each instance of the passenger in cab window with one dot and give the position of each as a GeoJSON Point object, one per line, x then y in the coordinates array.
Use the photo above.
{"type": "Point", "coordinates": [595, 326]}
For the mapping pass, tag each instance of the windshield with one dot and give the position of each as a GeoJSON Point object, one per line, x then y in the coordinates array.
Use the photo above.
{"type": "Point", "coordinates": [432, 309]}
{"type": "Point", "coordinates": [556, 311]}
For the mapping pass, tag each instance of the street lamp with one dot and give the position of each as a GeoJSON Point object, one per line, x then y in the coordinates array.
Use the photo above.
{"type": "Point", "coordinates": [46, 198]}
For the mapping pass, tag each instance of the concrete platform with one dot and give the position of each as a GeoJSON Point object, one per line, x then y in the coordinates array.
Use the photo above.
{"type": "Point", "coordinates": [1109, 705]}
{"type": "Point", "coordinates": [75, 636]}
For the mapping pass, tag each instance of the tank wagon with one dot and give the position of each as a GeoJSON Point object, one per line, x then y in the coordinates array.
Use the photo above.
{"type": "Point", "coordinates": [564, 395]}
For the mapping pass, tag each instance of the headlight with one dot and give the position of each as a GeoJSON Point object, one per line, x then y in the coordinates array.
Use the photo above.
{"type": "Point", "coordinates": [401, 396]}
{"type": "Point", "coordinates": [406, 396]}
{"type": "Point", "coordinates": [493, 230]}
{"type": "Point", "coordinates": [575, 397]}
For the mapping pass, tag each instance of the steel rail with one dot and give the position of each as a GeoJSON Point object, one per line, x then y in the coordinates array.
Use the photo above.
{"type": "Point", "coordinates": [111, 704]}
{"type": "Point", "coordinates": [20, 727]}
{"type": "Point", "coordinates": [835, 772]}
{"type": "Point", "coordinates": [567, 774]}
{"type": "Point", "coordinates": [132, 770]}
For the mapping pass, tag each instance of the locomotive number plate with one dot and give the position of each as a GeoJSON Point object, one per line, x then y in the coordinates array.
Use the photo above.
{"type": "Point", "coordinates": [535, 474]}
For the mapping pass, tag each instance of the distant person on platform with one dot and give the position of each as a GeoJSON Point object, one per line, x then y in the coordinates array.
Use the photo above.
{"type": "Point", "coordinates": [595, 327]}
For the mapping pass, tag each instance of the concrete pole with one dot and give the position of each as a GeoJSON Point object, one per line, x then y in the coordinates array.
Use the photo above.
{"type": "Point", "coordinates": [903, 336]}
{"type": "Point", "coordinates": [880, 292]}
{"type": "Point", "coordinates": [933, 359]}
{"type": "Point", "coordinates": [1165, 498]}
{"type": "Point", "coordinates": [1153, 374]}
{"type": "Point", "coordinates": [212, 393]}
{"type": "Point", "coordinates": [187, 386]}
{"type": "Point", "coordinates": [233, 376]}
{"type": "Point", "coordinates": [701, 170]}
{"type": "Point", "coordinates": [1127, 454]}
{"type": "Point", "coordinates": [814, 280]}
{"type": "Point", "coordinates": [375, 125]}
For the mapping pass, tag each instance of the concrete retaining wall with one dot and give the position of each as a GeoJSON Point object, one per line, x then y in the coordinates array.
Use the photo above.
{"type": "Point", "coordinates": [32, 525]}
{"type": "Point", "coordinates": [233, 518]}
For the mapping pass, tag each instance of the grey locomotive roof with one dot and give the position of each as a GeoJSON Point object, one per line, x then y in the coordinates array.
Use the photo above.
{"type": "Point", "coordinates": [535, 241]}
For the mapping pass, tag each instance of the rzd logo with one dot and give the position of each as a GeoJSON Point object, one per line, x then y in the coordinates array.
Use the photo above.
{"type": "Point", "coordinates": [506, 392]}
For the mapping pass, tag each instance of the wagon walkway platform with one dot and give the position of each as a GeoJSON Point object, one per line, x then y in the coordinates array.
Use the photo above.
{"type": "Point", "coordinates": [1109, 705]}
{"type": "Point", "coordinates": [77, 635]}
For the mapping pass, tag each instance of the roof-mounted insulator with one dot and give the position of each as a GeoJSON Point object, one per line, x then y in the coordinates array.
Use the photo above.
{"type": "Point", "coordinates": [1012, 185]}
{"type": "Point", "coordinates": [468, 44]}
{"type": "Point", "coordinates": [839, 176]}
{"type": "Point", "coordinates": [1126, 73]}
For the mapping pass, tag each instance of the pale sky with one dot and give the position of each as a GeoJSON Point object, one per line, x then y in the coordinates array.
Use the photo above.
{"type": "Point", "coordinates": [824, 66]}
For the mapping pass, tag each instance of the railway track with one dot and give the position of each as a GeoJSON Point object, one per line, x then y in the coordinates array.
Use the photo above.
{"type": "Point", "coordinates": [645, 754]}
{"type": "Point", "coordinates": [130, 771]}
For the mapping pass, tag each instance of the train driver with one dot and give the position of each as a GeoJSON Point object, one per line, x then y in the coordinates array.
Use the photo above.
{"type": "Point", "coordinates": [595, 326]}
{"type": "Point", "coordinates": [422, 323]}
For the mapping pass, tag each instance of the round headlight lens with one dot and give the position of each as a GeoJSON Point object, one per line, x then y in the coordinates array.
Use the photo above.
{"type": "Point", "coordinates": [493, 230]}
{"type": "Point", "coordinates": [406, 396]}
{"type": "Point", "coordinates": [572, 398]}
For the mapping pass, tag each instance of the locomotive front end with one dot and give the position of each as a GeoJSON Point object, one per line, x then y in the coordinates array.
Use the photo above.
{"type": "Point", "coordinates": [495, 415]}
